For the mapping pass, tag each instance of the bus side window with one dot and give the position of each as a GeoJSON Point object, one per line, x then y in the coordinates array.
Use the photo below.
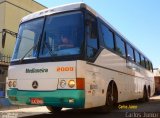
{"type": "Point", "coordinates": [108, 37]}
{"type": "Point", "coordinates": [120, 46]}
{"type": "Point", "coordinates": [151, 67]}
{"type": "Point", "coordinates": [137, 57]}
{"type": "Point", "coordinates": [130, 53]}
{"type": "Point", "coordinates": [143, 62]}
{"type": "Point", "coordinates": [91, 36]}
{"type": "Point", "coordinates": [147, 64]}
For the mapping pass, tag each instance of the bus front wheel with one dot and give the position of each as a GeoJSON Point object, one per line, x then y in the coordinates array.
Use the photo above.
{"type": "Point", "coordinates": [111, 97]}
{"type": "Point", "coordinates": [54, 109]}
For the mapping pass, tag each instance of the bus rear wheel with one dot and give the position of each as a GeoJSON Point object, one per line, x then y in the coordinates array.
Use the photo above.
{"type": "Point", "coordinates": [54, 109]}
{"type": "Point", "coordinates": [145, 95]}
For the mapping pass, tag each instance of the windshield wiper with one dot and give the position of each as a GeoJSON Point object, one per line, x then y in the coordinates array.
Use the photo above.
{"type": "Point", "coordinates": [50, 50]}
{"type": "Point", "coordinates": [47, 46]}
{"type": "Point", "coordinates": [34, 46]}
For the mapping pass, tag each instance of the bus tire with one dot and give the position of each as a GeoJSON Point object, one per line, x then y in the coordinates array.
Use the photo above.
{"type": "Point", "coordinates": [145, 95]}
{"type": "Point", "coordinates": [149, 91]}
{"type": "Point", "coordinates": [111, 97]}
{"type": "Point", "coordinates": [54, 109]}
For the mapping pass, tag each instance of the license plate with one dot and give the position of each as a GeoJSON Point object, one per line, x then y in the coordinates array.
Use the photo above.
{"type": "Point", "coordinates": [36, 101]}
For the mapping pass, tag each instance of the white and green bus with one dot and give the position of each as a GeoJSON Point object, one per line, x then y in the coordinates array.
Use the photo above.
{"type": "Point", "coordinates": [100, 68]}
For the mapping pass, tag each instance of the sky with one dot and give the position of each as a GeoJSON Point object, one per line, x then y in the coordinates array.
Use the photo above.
{"type": "Point", "coordinates": [137, 20]}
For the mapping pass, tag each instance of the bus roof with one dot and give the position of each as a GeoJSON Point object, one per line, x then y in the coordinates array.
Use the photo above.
{"type": "Point", "coordinates": [70, 7]}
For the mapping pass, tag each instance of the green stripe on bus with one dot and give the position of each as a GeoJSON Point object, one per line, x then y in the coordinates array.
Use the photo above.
{"type": "Point", "coordinates": [57, 98]}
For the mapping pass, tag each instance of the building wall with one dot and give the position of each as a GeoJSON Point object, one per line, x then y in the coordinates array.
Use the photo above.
{"type": "Point", "coordinates": [157, 72]}
{"type": "Point", "coordinates": [13, 11]}
{"type": "Point", "coordinates": [29, 5]}
{"type": "Point", "coordinates": [12, 20]}
{"type": "Point", "coordinates": [157, 81]}
{"type": "Point", "coordinates": [2, 20]}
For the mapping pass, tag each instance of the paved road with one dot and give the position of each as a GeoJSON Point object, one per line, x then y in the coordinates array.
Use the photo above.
{"type": "Point", "coordinates": [132, 109]}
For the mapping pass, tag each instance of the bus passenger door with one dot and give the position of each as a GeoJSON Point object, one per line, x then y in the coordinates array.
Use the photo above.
{"type": "Point", "coordinates": [93, 80]}
{"type": "Point", "coordinates": [91, 37]}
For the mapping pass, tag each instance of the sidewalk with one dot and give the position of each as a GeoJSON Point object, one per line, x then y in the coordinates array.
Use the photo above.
{"type": "Point", "coordinates": [25, 109]}
{"type": "Point", "coordinates": [14, 108]}
{"type": "Point", "coordinates": [22, 111]}
{"type": "Point", "coordinates": [5, 105]}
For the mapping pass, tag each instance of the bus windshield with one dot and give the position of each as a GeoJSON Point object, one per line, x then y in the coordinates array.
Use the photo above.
{"type": "Point", "coordinates": [28, 36]}
{"type": "Point", "coordinates": [61, 35]}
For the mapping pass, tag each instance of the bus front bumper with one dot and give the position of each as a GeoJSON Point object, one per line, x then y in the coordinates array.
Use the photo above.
{"type": "Point", "coordinates": [56, 98]}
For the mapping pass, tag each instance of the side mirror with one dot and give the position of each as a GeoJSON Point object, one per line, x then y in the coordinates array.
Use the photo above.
{"type": "Point", "coordinates": [3, 38]}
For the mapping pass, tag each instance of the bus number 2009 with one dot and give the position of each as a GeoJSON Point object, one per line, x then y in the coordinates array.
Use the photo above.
{"type": "Point", "coordinates": [62, 69]}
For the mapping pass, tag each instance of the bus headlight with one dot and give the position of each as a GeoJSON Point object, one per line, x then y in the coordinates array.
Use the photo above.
{"type": "Point", "coordinates": [71, 83]}
{"type": "Point", "coordinates": [63, 83]}
{"type": "Point", "coordinates": [10, 83]}
{"type": "Point", "coordinates": [14, 83]}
